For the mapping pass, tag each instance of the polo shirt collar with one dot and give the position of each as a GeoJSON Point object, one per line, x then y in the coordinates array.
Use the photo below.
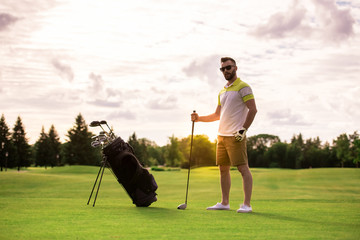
{"type": "Point", "coordinates": [236, 82]}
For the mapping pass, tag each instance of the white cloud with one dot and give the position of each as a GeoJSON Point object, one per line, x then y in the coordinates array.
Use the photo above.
{"type": "Point", "coordinates": [169, 102]}
{"type": "Point", "coordinates": [326, 22]}
{"type": "Point", "coordinates": [204, 68]}
{"type": "Point", "coordinates": [64, 70]}
{"type": "Point", "coordinates": [285, 117]}
{"type": "Point", "coordinates": [282, 24]}
{"type": "Point", "coordinates": [118, 115]}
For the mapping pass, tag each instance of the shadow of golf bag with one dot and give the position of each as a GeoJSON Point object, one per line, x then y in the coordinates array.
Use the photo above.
{"type": "Point", "coordinates": [136, 180]}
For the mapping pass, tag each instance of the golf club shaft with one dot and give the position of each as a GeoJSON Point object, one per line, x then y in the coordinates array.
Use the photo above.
{"type": "Point", "coordinates": [191, 144]}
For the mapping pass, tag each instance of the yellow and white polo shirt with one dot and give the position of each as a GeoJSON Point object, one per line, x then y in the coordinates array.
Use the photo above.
{"type": "Point", "coordinates": [233, 108]}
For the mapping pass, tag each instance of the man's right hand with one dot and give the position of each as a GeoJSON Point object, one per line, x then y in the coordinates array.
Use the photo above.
{"type": "Point", "coordinates": [194, 117]}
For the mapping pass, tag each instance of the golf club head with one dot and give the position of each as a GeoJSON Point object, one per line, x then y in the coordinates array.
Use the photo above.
{"type": "Point", "coordinates": [105, 123]}
{"type": "Point", "coordinates": [102, 138]}
{"type": "Point", "coordinates": [95, 144]}
{"type": "Point", "coordinates": [182, 206]}
{"type": "Point", "coordinates": [94, 124]}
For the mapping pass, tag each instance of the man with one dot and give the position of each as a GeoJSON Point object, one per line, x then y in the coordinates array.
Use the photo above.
{"type": "Point", "coordinates": [236, 111]}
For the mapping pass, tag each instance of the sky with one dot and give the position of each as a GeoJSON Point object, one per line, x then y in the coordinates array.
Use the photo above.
{"type": "Point", "coordinates": [145, 65]}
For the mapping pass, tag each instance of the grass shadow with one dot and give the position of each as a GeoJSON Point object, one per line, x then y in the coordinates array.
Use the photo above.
{"type": "Point", "coordinates": [280, 217]}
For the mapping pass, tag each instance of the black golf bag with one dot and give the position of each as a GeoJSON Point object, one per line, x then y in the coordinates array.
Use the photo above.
{"type": "Point", "coordinates": [136, 180]}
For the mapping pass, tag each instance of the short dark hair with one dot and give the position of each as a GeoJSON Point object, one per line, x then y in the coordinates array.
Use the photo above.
{"type": "Point", "coordinates": [224, 59]}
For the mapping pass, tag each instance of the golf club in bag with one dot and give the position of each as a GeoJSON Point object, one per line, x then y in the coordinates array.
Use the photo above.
{"type": "Point", "coordinates": [184, 205]}
{"type": "Point", "coordinates": [120, 158]}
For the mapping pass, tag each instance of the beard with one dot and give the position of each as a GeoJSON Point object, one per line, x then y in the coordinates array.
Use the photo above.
{"type": "Point", "coordinates": [230, 76]}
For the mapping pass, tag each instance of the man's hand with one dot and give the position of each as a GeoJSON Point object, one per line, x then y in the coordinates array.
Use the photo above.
{"type": "Point", "coordinates": [240, 135]}
{"type": "Point", "coordinates": [194, 117]}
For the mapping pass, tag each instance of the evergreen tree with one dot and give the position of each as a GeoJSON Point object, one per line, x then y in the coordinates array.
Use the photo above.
{"type": "Point", "coordinates": [54, 147]}
{"type": "Point", "coordinates": [78, 149]}
{"type": "Point", "coordinates": [42, 150]}
{"type": "Point", "coordinates": [4, 143]}
{"type": "Point", "coordinates": [22, 154]}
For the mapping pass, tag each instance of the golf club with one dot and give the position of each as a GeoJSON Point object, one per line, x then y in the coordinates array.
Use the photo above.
{"type": "Point", "coordinates": [184, 205]}
{"type": "Point", "coordinates": [111, 134]}
{"type": "Point", "coordinates": [94, 123]}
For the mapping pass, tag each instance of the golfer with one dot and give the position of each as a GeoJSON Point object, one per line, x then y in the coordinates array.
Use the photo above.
{"type": "Point", "coordinates": [236, 111]}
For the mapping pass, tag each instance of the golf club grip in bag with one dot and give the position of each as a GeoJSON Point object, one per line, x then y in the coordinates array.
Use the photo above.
{"type": "Point", "coordinates": [136, 180]}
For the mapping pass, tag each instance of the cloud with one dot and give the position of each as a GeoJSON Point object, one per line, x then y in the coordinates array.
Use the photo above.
{"type": "Point", "coordinates": [64, 70]}
{"type": "Point", "coordinates": [336, 23]}
{"type": "Point", "coordinates": [6, 20]}
{"type": "Point", "coordinates": [165, 103]}
{"type": "Point", "coordinates": [98, 88]}
{"type": "Point", "coordinates": [104, 103]}
{"type": "Point", "coordinates": [203, 68]}
{"type": "Point", "coordinates": [281, 24]}
{"type": "Point", "coordinates": [327, 22]}
{"type": "Point", "coordinates": [122, 115]}
{"type": "Point", "coordinates": [113, 92]}
{"type": "Point", "coordinates": [286, 117]}
{"type": "Point", "coordinates": [97, 82]}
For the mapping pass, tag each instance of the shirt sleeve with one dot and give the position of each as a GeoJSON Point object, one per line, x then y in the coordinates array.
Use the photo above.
{"type": "Point", "coordinates": [246, 93]}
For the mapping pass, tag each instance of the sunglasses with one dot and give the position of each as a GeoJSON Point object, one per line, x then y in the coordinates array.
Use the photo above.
{"type": "Point", "coordinates": [226, 68]}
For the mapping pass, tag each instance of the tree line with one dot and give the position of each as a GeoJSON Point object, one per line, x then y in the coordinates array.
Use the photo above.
{"type": "Point", "coordinates": [264, 150]}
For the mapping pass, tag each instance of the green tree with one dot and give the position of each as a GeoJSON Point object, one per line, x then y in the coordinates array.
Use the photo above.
{"type": "Point", "coordinates": [42, 149]}
{"type": "Point", "coordinates": [54, 147]}
{"type": "Point", "coordinates": [140, 147]}
{"type": "Point", "coordinates": [22, 154]}
{"type": "Point", "coordinates": [257, 146]}
{"type": "Point", "coordinates": [173, 155]}
{"type": "Point", "coordinates": [311, 153]}
{"type": "Point", "coordinates": [156, 154]}
{"type": "Point", "coordinates": [5, 143]}
{"type": "Point", "coordinates": [276, 155]}
{"type": "Point", "coordinates": [78, 149]}
{"type": "Point", "coordinates": [355, 148]}
{"type": "Point", "coordinates": [357, 152]}
{"type": "Point", "coordinates": [47, 148]}
{"type": "Point", "coordinates": [203, 152]}
{"type": "Point", "coordinates": [342, 148]}
{"type": "Point", "coordinates": [295, 151]}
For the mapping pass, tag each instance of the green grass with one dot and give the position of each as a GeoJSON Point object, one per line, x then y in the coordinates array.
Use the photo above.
{"type": "Point", "coordinates": [287, 204]}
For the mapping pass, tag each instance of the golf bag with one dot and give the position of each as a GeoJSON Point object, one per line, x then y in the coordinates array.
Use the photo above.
{"type": "Point", "coordinates": [136, 180]}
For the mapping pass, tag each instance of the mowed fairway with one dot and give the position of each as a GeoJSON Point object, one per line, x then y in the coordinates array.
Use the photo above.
{"type": "Point", "coordinates": [287, 204]}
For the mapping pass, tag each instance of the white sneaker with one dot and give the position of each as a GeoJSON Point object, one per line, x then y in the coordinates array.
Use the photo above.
{"type": "Point", "coordinates": [219, 206]}
{"type": "Point", "coordinates": [244, 209]}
